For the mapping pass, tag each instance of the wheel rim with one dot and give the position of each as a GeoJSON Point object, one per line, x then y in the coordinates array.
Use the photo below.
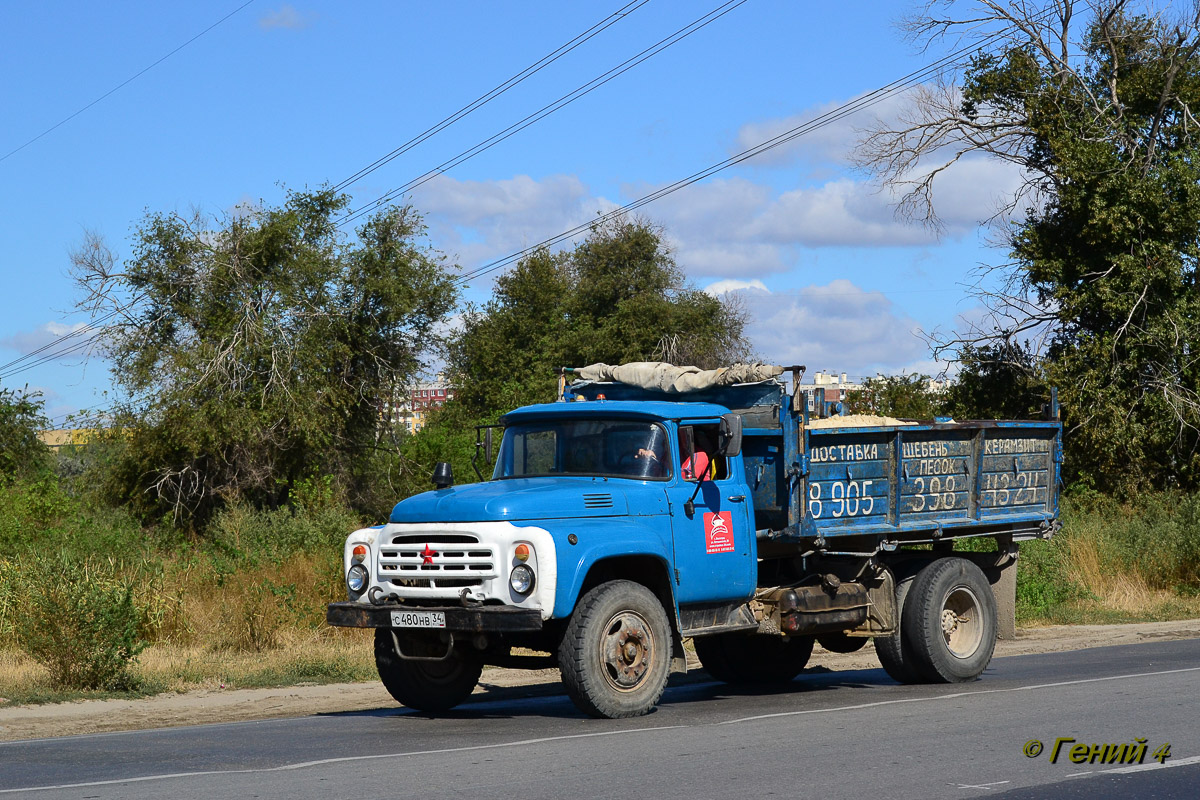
{"type": "Point", "coordinates": [626, 651]}
{"type": "Point", "coordinates": [962, 622]}
{"type": "Point", "coordinates": [442, 672]}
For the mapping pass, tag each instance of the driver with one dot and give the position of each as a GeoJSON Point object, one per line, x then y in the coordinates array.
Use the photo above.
{"type": "Point", "coordinates": [651, 458]}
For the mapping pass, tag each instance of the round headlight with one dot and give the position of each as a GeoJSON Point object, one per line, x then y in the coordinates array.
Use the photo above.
{"type": "Point", "coordinates": [521, 579]}
{"type": "Point", "coordinates": [356, 578]}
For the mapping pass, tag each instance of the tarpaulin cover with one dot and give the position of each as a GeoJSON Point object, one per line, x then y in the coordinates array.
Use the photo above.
{"type": "Point", "coordinates": [677, 380]}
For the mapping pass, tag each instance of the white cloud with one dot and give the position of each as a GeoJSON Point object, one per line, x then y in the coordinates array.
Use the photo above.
{"type": "Point", "coordinates": [837, 327]}
{"type": "Point", "coordinates": [26, 342]}
{"type": "Point", "coordinates": [723, 287]}
{"type": "Point", "coordinates": [286, 18]}
{"type": "Point", "coordinates": [730, 227]}
{"type": "Point", "coordinates": [843, 212]}
{"type": "Point", "coordinates": [477, 221]}
{"type": "Point", "coordinates": [830, 143]}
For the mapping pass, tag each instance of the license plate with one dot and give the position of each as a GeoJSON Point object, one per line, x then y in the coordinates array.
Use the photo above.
{"type": "Point", "coordinates": [418, 619]}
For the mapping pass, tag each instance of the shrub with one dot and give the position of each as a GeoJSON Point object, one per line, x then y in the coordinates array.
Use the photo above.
{"type": "Point", "coordinates": [80, 620]}
{"type": "Point", "coordinates": [21, 452]}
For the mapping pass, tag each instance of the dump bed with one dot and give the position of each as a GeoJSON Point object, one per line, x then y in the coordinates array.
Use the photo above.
{"type": "Point", "coordinates": [901, 483]}
{"type": "Point", "coordinates": [936, 479]}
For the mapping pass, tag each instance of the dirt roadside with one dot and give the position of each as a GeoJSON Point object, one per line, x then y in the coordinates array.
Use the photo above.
{"type": "Point", "coordinates": [198, 708]}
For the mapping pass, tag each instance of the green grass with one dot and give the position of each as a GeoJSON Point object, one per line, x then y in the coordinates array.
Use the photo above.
{"type": "Point", "coordinates": [1114, 562]}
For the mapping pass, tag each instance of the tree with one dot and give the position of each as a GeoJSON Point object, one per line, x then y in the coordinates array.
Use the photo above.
{"type": "Point", "coordinates": [1003, 380]}
{"type": "Point", "coordinates": [1099, 118]}
{"type": "Point", "coordinates": [617, 297]}
{"type": "Point", "coordinates": [902, 396]}
{"type": "Point", "coordinates": [258, 349]}
{"type": "Point", "coordinates": [22, 453]}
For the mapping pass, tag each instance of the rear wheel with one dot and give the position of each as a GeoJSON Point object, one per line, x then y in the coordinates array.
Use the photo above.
{"type": "Point", "coordinates": [950, 621]}
{"type": "Point", "coordinates": [424, 685]}
{"type": "Point", "coordinates": [752, 658]}
{"type": "Point", "coordinates": [616, 653]}
{"type": "Point", "coordinates": [895, 654]}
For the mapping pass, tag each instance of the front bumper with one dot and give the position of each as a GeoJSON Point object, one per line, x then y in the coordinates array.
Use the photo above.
{"type": "Point", "coordinates": [481, 619]}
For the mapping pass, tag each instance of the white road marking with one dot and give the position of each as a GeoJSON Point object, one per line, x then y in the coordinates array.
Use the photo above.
{"type": "Point", "coordinates": [342, 759]}
{"type": "Point", "coordinates": [980, 785]}
{"type": "Point", "coordinates": [1170, 762]}
{"type": "Point", "coordinates": [956, 695]}
{"type": "Point", "coordinates": [1077, 774]}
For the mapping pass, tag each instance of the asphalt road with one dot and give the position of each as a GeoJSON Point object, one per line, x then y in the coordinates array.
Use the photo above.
{"type": "Point", "coordinates": [833, 735]}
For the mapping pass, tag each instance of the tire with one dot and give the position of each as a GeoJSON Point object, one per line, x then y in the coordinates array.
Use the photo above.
{"type": "Point", "coordinates": [841, 643]}
{"type": "Point", "coordinates": [751, 658]}
{"type": "Point", "coordinates": [424, 685]}
{"type": "Point", "coordinates": [616, 651]}
{"type": "Point", "coordinates": [894, 652]}
{"type": "Point", "coordinates": [949, 621]}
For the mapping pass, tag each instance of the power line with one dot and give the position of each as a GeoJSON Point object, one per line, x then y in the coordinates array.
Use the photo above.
{"type": "Point", "coordinates": [823, 120]}
{"type": "Point", "coordinates": [484, 99]}
{"type": "Point", "coordinates": [625, 66]}
{"type": "Point", "coordinates": [532, 69]}
{"type": "Point", "coordinates": [91, 326]}
{"type": "Point", "coordinates": [548, 109]}
{"type": "Point", "coordinates": [75, 348]}
{"type": "Point", "coordinates": [124, 83]}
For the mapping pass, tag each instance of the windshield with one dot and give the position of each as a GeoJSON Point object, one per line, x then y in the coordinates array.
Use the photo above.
{"type": "Point", "coordinates": [618, 448]}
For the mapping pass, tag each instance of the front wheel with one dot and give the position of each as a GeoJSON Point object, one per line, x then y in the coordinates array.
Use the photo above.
{"type": "Point", "coordinates": [949, 621]}
{"type": "Point", "coordinates": [424, 685]}
{"type": "Point", "coordinates": [616, 652]}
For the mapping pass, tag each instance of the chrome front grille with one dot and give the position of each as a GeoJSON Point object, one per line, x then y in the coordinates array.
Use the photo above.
{"type": "Point", "coordinates": [436, 561]}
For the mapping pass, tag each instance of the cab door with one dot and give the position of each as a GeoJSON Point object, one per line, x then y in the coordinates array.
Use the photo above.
{"type": "Point", "coordinates": [715, 554]}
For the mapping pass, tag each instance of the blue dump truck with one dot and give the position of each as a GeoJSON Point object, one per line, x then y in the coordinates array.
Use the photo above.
{"type": "Point", "coordinates": [750, 517]}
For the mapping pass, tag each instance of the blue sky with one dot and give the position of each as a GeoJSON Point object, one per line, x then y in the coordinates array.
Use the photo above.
{"type": "Point", "coordinates": [304, 93]}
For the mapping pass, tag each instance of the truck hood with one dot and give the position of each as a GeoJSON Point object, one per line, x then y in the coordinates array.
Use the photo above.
{"type": "Point", "coordinates": [515, 499]}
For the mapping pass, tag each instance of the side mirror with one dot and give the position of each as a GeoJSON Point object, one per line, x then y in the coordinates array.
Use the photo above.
{"type": "Point", "coordinates": [443, 476]}
{"type": "Point", "coordinates": [483, 442]}
{"type": "Point", "coordinates": [730, 437]}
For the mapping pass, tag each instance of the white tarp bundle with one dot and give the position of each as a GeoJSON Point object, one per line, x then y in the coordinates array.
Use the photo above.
{"type": "Point", "coordinates": [677, 380]}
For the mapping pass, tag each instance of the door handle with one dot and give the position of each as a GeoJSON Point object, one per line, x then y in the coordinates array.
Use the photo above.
{"type": "Point", "coordinates": [737, 498]}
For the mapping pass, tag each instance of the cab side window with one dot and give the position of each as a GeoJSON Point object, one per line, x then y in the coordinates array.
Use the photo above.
{"type": "Point", "coordinates": [713, 466]}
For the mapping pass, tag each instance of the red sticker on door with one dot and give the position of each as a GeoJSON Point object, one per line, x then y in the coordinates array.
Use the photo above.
{"type": "Point", "coordinates": [718, 532]}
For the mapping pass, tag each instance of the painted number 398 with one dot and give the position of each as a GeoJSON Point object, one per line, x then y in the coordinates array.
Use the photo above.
{"type": "Point", "coordinates": [846, 499]}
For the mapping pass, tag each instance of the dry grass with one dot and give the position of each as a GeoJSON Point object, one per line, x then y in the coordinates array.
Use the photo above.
{"type": "Point", "coordinates": [1126, 591]}
{"type": "Point", "coordinates": [299, 657]}
{"type": "Point", "coordinates": [251, 609]}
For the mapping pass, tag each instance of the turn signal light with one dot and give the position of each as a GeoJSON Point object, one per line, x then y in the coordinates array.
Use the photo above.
{"type": "Point", "coordinates": [522, 553]}
{"type": "Point", "coordinates": [359, 553]}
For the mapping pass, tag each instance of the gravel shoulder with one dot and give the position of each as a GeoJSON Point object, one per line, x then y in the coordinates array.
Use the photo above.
{"type": "Point", "coordinates": [207, 707]}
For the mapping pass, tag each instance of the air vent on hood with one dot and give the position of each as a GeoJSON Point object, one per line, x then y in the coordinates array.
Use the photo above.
{"type": "Point", "coordinates": [597, 501]}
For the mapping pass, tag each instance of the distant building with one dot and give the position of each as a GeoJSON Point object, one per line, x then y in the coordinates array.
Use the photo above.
{"type": "Point", "coordinates": [68, 437]}
{"type": "Point", "coordinates": [410, 405]}
{"type": "Point", "coordinates": [836, 387]}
